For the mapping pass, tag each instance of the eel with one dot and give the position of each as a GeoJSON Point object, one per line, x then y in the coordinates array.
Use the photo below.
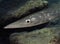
{"type": "Point", "coordinates": [47, 15]}
{"type": "Point", "coordinates": [13, 10]}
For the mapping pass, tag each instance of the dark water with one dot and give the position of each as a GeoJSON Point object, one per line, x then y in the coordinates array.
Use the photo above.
{"type": "Point", "coordinates": [6, 5]}
{"type": "Point", "coordinates": [53, 1]}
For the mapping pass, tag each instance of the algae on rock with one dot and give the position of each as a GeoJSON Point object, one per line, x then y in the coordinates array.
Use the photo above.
{"type": "Point", "coordinates": [42, 36]}
{"type": "Point", "coordinates": [31, 4]}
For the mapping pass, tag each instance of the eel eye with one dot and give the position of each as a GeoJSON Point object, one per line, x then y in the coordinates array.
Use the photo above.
{"type": "Point", "coordinates": [28, 21]}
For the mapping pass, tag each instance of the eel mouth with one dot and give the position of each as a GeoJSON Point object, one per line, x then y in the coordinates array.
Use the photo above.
{"type": "Point", "coordinates": [31, 27]}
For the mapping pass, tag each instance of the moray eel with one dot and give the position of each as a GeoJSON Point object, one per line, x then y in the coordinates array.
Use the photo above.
{"type": "Point", "coordinates": [46, 15]}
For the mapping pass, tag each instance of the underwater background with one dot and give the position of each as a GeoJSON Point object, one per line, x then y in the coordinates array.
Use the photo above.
{"type": "Point", "coordinates": [4, 8]}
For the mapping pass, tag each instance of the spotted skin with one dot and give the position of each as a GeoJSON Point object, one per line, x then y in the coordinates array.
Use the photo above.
{"type": "Point", "coordinates": [37, 18]}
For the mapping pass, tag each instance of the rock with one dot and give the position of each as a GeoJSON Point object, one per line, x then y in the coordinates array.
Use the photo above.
{"type": "Point", "coordinates": [29, 5]}
{"type": "Point", "coordinates": [42, 36]}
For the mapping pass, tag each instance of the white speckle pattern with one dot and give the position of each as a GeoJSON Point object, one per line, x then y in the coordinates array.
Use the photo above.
{"type": "Point", "coordinates": [48, 14]}
{"type": "Point", "coordinates": [50, 18]}
{"type": "Point", "coordinates": [40, 16]}
{"type": "Point", "coordinates": [42, 12]}
{"type": "Point", "coordinates": [33, 19]}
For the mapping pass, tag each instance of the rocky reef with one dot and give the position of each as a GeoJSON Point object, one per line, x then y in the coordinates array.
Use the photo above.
{"type": "Point", "coordinates": [30, 6]}
{"type": "Point", "coordinates": [42, 36]}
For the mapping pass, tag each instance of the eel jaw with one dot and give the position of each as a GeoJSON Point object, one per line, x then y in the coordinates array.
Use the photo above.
{"type": "Point", "coordinates": [22, 25]}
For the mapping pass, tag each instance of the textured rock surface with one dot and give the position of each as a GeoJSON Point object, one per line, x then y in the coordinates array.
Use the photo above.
{"type": "Point", "coordinates": [44, 36]}
{"type": "Point", "coordinates": [31, 4]}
